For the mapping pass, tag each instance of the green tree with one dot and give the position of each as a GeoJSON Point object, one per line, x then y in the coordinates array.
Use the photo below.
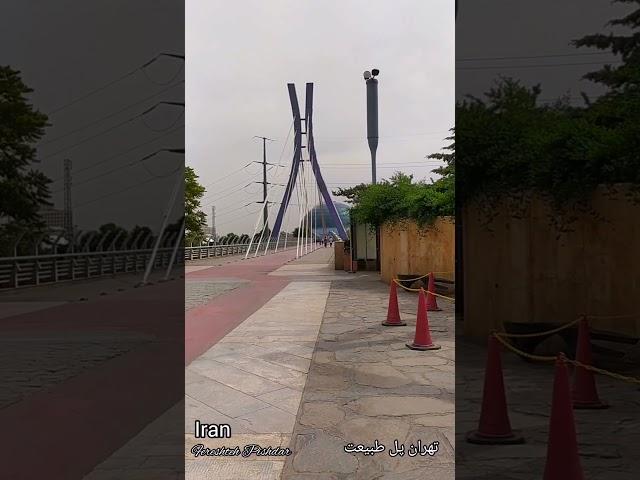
{"type": "Point", "coordinates": [619, 109]}
{"type": "Point", "coordinates": [627, 75]}
{"type": "Point", "coordinates": [400, 199]}
{"type": "Point", "coordinates": [195, 220]}
{"type": "Point", "coordinates": [23, 190]}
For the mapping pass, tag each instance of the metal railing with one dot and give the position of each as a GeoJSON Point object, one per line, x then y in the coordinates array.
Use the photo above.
{"type": "Point", "coordinates": [32, 270]}
{"type": "Point", "coordinates": [209, 251]}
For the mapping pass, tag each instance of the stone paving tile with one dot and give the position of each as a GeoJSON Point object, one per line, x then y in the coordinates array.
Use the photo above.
{"type": "Point", "coordinates": [253, 380]}
{"type": "Point", "coordinates": [219, 468]}
{"type": "Point", "coordinates": [364, 384]}
{"type": "Point", "coordinates": [150, 454]}
{"type": "Point", "coordinates": [287, 399]}
{"type": "Point", "coordinates": [29, 365]}
{"type": "Point", "coordinates": [224, 399]}
{"type": "Point", "coordinates": [268, 420]}
{"type": "Point", "coordinates": [196, 410]}
{"type": "Point", "coordinates": [200, 292]}
{"type": "Point", "coordinates": [233, 377]}
{"type": "Point", "coordinates": [270, 371]}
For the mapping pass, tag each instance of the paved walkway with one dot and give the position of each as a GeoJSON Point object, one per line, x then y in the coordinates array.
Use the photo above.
{"type": "Point", "coordinates": [311, 370]}
{"type": "Point", "coordinates": [607, 439]}
{"type": "Point", "coordinates": [65, 372]}
{"type": "Point", "coordinates": [236, 290]}
{"type": "Point", "coordinates": [365, 385]}
{"type": "Point", "coordinates": [253, 378]}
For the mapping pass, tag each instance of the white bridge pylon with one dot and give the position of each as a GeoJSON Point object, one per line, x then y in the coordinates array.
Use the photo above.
{"type": "Point", "coordinates": [305, 178]}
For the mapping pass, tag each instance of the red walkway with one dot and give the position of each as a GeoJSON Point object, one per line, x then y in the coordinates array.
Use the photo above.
{"type": "Point", "coordinates": [65, 430]}
{"type": "Point", "coordinates": [207, 324]}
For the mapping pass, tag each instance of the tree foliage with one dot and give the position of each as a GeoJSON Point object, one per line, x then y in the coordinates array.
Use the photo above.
{"type": "Point", "coordinates": [195, 220]}
{"type": "Point", "coordinates": [511, 146]}
{"type": "Point", "coordinates": [23, 190]}
{"type": "Point", "coordinates": [400, 198]}
{"type": "Point", "coordinates": [627, 75]}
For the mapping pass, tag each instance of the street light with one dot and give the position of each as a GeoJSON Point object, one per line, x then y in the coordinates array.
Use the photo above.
{"type": "Point", "coordinates": [372, 116]}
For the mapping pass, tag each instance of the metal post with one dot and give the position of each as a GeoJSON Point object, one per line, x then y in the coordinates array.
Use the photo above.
{"type": "Point", "coordinates": [372, 123]}
{"type": "Point", "coordinates": [175, 251]}
{"type": "Point", "coordinates": [165, 219]}
{"type": "Point", "coordinates": [264, 184]}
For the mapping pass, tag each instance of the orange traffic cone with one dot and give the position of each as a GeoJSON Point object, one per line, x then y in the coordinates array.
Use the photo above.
{"type": "Point", "coordinates": [422, 339]}
{"type": "Point", "coordinates": [494, 427]}
{"type": "Point", "coordinates": [585, 393]}
{"type": "Point", "coordinates": [393, 313]}
{"type": "Point", "coordinates": [563, 461]}
{"type": "Point", "coordinates": [432, 304]}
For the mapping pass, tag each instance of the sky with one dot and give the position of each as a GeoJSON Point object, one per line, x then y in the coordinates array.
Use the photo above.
{"type": "Point", "coordinates": [67, 49]}
{"type": "Point", "coordinates": [240, 57]}
{"type": "Point", "coordinates": [531, 42]}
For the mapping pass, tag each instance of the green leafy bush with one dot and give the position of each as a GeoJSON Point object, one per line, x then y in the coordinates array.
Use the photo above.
{"type": "Point", "coordinates": [400, 199]}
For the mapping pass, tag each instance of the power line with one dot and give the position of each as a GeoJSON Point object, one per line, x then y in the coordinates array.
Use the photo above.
{"type": "Point", "coordinates": [164, 129]}
{"type": "Point", "coordinates": [245, 166]}
{"type": "Point", "coordinates": [217, 196]}
{"type": "Point", "coordinates": [227, 176]}
{"type": "Point", "coordinates": [131, 164]}
{"type": "Point", "coordinates": [541, 65]}
{"type": "Point", "coordinates": [517, 57]}
{"type": "Point", "coordinates": [386, 163]}
{"type": "Point", "coordinates": [152, 179]}
{"type": "Point", "coordinates": [324, 139]}
{"type": "Point", "coordinates": [124, 109]}
{"type": "Point", "coordinates": [99, 134]}
{"type": "Point", "coordinates": [113, 82]}
{"type": "Point", "coordinates": [236, 209]}
{"type": "Point", "coordinates": [172, 150]}
{"type": "Point", "coordinates": [178, 72]}
{"type": "Point", "coordinates": [124, 152]}
{"type": "Point", "coordinates": [239, 217]}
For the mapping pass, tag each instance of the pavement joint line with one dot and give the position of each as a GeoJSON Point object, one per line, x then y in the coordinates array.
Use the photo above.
{"type": "Point", "coordinates": [270, 324]}
{"type": "Point", "coordinates": [244, 393]}
{"type": "Point", "coordinates": [217, 411]}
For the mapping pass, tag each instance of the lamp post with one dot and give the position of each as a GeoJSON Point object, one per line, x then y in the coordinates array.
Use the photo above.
{"type": "Point", "coordinates": [372, 116]}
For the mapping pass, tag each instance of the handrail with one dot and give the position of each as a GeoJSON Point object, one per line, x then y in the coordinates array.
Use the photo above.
{"type": "Point", "coordinates": [34, 270]}
{"type": "Point", "coordinates": [81, 254]}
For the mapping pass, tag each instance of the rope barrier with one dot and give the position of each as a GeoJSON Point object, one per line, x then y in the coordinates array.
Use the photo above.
{"type": "Point", "coordinates": [596, 317]}
{"type": "Point", "coordinates": [423, 276]}
{"type": "Point", "coordinates": [539, 334]}
{"type": "Point", "coordinates": [413, 279]}
{"type": "Point", "coordinates": [418, 289]}
{"type": "Point", "coordinates": [541, 358]}
{"type": "Point", "coordinates": [517, 351]}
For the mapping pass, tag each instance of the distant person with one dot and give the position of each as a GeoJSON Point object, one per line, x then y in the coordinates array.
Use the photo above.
{"type": "Point", "coordinates": [325, 242]}
{"type": "Point", "coordinates": [331, 242]}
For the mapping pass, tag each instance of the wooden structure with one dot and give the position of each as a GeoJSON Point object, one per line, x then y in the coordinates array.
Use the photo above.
{"type": "Point", "coordinates": [407, 249]}
{"type": "Point", "coordinates": [524, 271]}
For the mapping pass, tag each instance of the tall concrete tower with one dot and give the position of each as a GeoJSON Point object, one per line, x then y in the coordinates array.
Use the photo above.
{"type": "Point", "coordinates": [372, 117]}
{"type": "Point", "coordinates": [68, 208]}
{"type": "Point", "coordinates": [214, 234]}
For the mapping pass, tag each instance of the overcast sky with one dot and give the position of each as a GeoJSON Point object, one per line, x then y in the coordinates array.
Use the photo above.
{"type": "Point", "coordinates": [531, 42]}
{"type": "Point", "coordinates": [241, 55]}
{"type": "Point", "coordinates": [75, 56]}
